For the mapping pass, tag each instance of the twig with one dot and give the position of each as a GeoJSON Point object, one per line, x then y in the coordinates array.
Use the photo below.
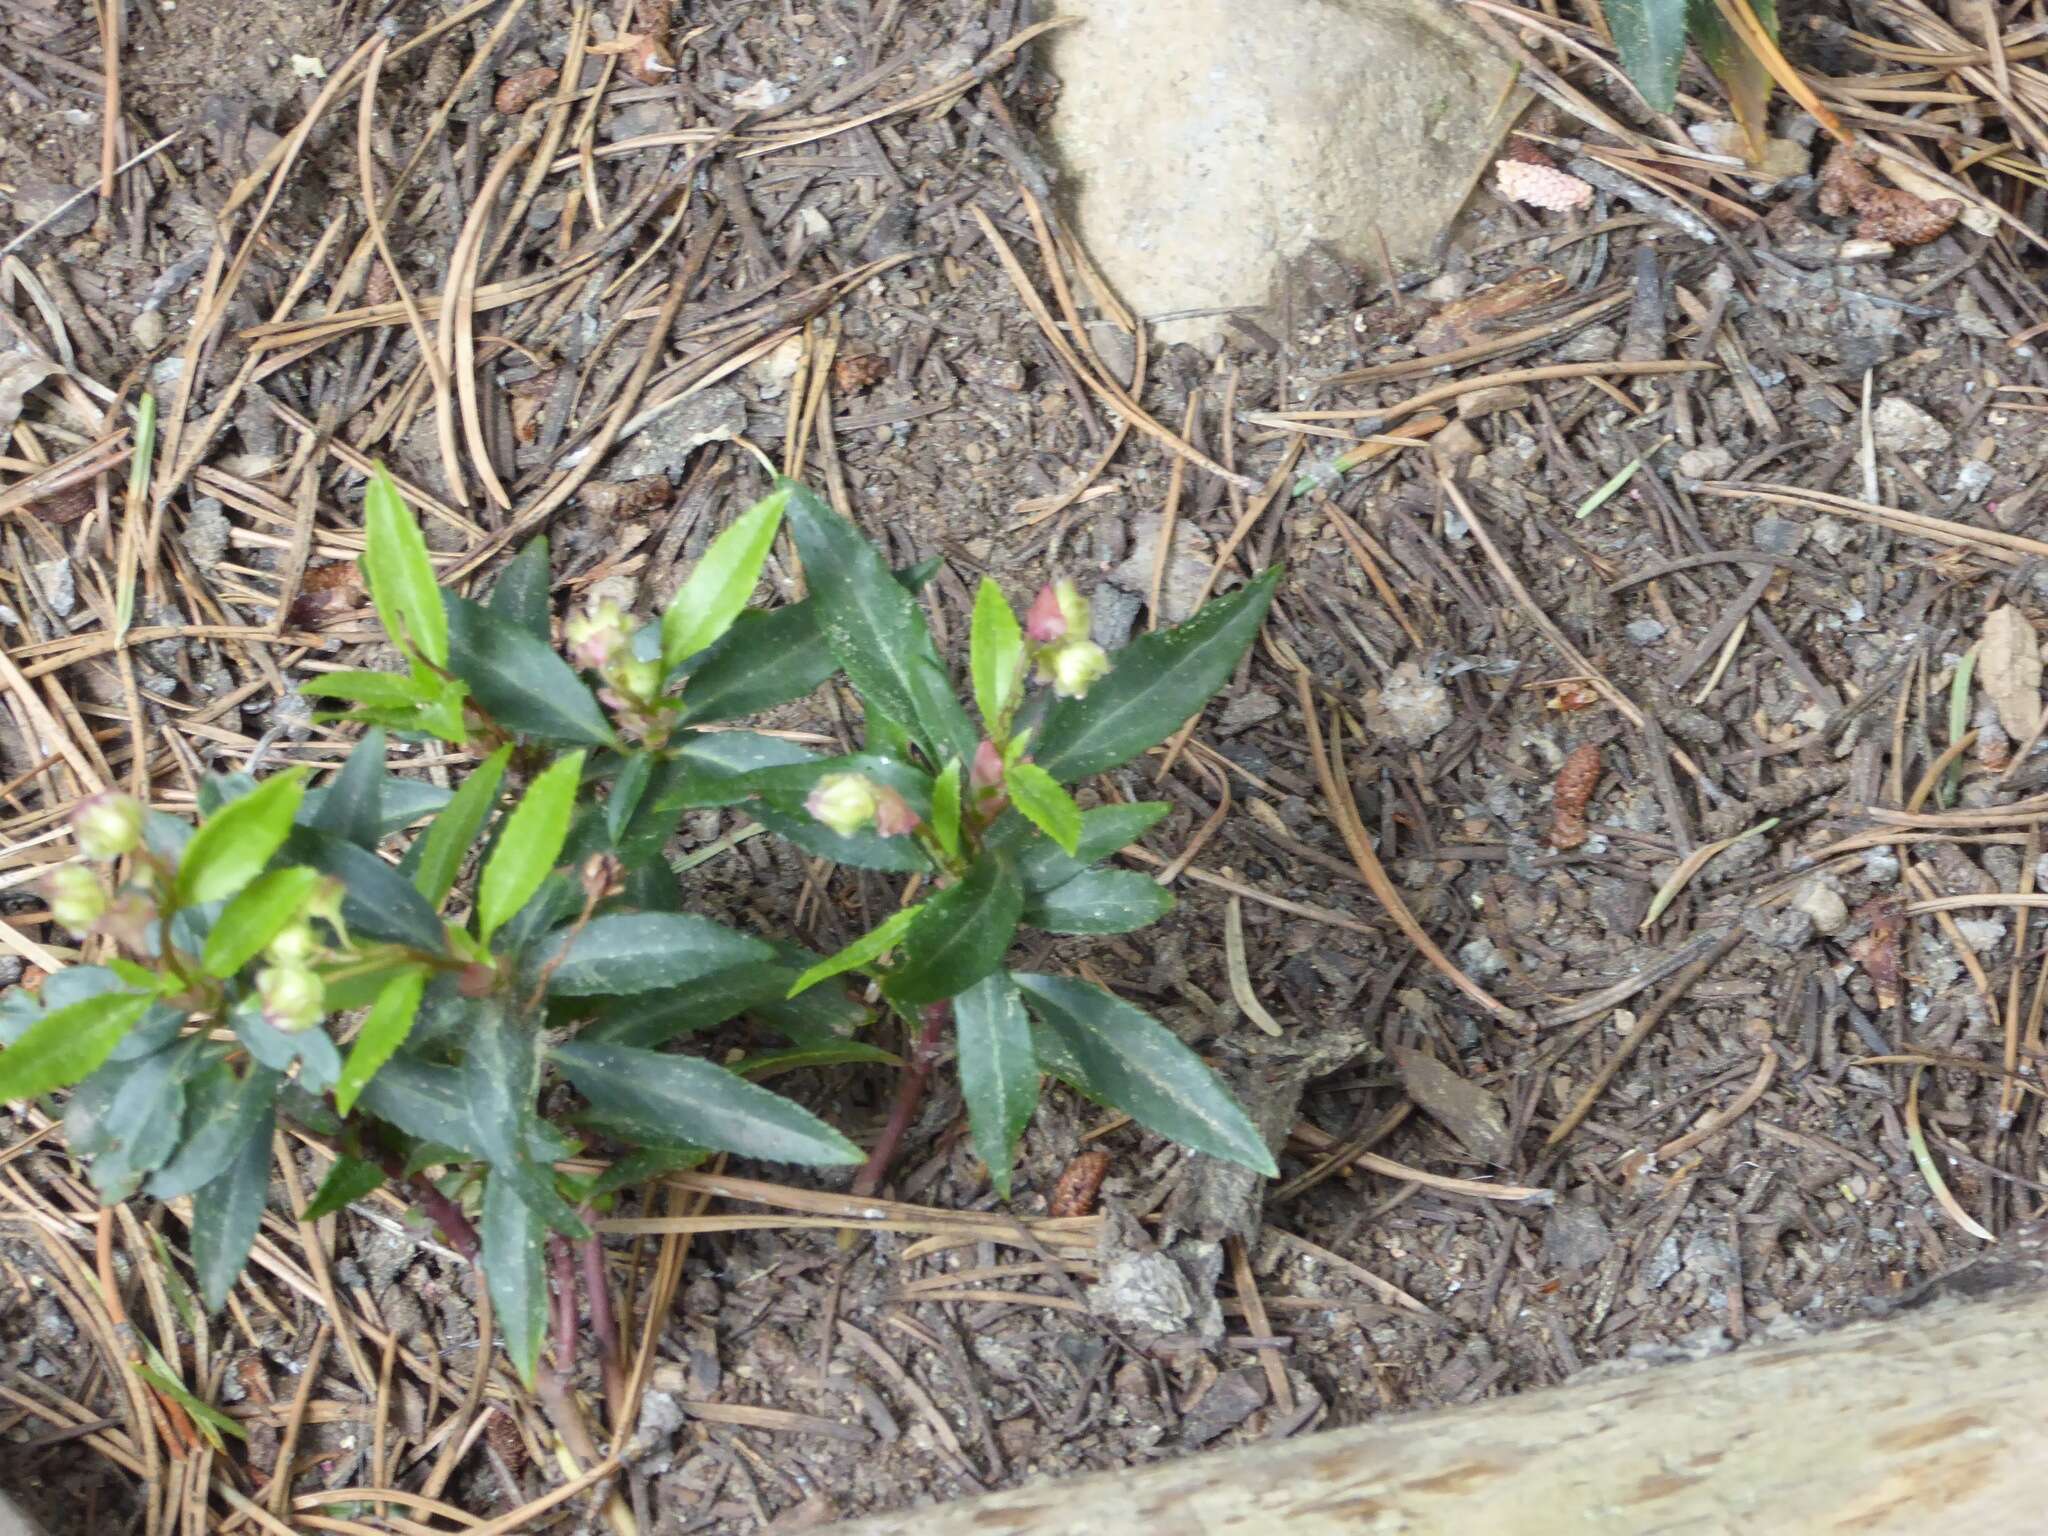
{"type": "Point", "coordinates": [917, 1071]}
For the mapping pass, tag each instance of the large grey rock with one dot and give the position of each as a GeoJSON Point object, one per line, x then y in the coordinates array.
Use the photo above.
{"type": "Point", "coordinates": [1209, 140]}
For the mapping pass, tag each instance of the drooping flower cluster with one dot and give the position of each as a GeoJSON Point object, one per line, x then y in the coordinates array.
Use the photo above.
{"type": "Point", "coordinates": [850, 802]}
{"type": "Point", "coordinates": [1057, 626]}
{"type": "Point", "coordinates": [600, 640]}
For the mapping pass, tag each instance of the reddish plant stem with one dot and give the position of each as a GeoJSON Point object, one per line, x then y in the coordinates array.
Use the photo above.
{"type": "Point", "coordinates": [610, 1362]}
{"type": "Point", "coordinates": [456, 1229]}
{"type": "Point", "coordinates": [917, 1072]}
{"type": "Point", "coordinates": [563, 1266]}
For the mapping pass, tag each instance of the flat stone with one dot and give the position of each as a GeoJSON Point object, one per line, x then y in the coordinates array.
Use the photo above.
{"type": "Point", "coordinates": [206, 532]}
{"type": "Point", "coordinates": [1208, 141]}
{"type": "Point", "coordinates": [36, 199]}
{"type": "Point", "coordinates": [1779, 535]}
{"type": "Point", "coordinates": [1823, 904]}
{"type": "Point", "coordinates": [1705, 463]}
{"type": "Point", "coordinates": [1903, 427]}
{"type": "Point", "coordinates": [665, 444]}
{"type": "Point", "coordinates": [1491, 402]}
{"type": "Point", "coordinates": [1187, 566]}
{"type": "Point", "coordinates": [1595, 344]}
{"type": "Point", "coordinates": [1414, 707]}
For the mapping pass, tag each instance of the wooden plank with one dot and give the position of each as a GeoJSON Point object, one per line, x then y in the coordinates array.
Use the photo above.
{"type": "Point", "coordinates": [1934, 1419]}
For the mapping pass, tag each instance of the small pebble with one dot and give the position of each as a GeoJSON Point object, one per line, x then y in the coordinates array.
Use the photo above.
{"type": "Point", "coordinates": [1779, 535]}
{"type": "Point", "coordinates": [1644, 631]}
{"type": "Point", "coordinates": [1823, 904]}
{"type": "Point", "coordinates": [1900, 426]}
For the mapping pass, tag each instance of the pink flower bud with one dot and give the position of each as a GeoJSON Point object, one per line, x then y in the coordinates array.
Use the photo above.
{"type": "Point", "coordinates": [128, 920]}
{"type": "Point", "coordinates": [597, 636]}
{"type": "Point", "coordinates": [1047, 620]}
{"type": "Point", "coordinates": [987, 771]}
{"type": "Point", "coordinates": [893, 814]}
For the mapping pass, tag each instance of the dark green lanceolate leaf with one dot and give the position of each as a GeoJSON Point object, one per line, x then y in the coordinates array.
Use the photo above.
{"type": "Point", "coordinates": [223, 1110]}
{"type": "Point", "coordinates": [628, 786]}
{"type": "Point", "coordinates": [226, 1213]}
{"type": "Point", "coordinates": [400, 803]}
{"type": "Point", "coordinates": [352, 808]}
{"type": "Point", "coordinates": [822, 1053]}
{"type": "Point", "coordinates": [349, 1180]}
{"type": "Point", "coordinates": [767, 659]}
{"type": "Point", "coordinates": [1130, 1061]}
{"type": "Point", "coordinates": [1041, 864]}
{"type": "Point", "coordinates": [631, 952]}
{"type": "Point", "coordinates": [559, 898]}
{"type": "Point", "coordinates": [234, 844]}
{"type": "Point", "coordinates": [520, 682]}
{"type": "Point", "coordinates": [528, 844]}
{"type": "Point", "coordinates": [961, 936]}
{"type": "Point", "coordinates": [311, 1051]}
{"type": "Point", "coordinates": [643, 1167]}
{"type": "Point", "coordinates": [501, 1080]}
{"type": "Point", "coordinates": [66, 1044]}
{"type": "Point", "coordinates": [447, 842]}
{"type": "Point", "coordinates": [761, 989]}
{"type": "Point", "coordinates": [1157, 683]}
{"type": "Point", "coordinates": [860, 850]}
{"type": "Point", "coordinates": [142, 1122]}
{"type": "Point", "coordinates": [1099, 901]}
{"type": "Point", "coordinates": [520, 597]}
{"type": "Point", "coordinates": [876, 629]}
{"type": "Point", "coordinates": [1741, 73]}
{"type": "Point", "coordinates": [1041, 801]}
{"type": "Point", "coordinates": [515, 1271]}
{"type": "Point", "coordinates": [256, 917]}
{"type": "Point", "coordinates": [779, 804]}
{"type": "Point", "coordinates": [704, 770]}
{"type": "Point", "coordinates": [166, 836]}
{"type": "Point", "coordinates": [716, 591]}
{"type": "Point", "coordinates": [378, 901]}
{"type": "Point", "coordinates": [666, 1099]}
{"type": "Point", "coordinates": [862, 952]}
{"type": "Point", "coordinates": [401, 578]}
{"type": "Point", "coordinates": [429, 1103]}
{"type": "Point", "coordinates": [998, 1071]}
{"type": "Point", "coordinates": [390, 1020]}
{"type": "Point", "coordinates": [1650, 37]}
{"type": "Point", "coordinates": [995, 652]}
{"type": "Point", "coordinates": [372, 690]}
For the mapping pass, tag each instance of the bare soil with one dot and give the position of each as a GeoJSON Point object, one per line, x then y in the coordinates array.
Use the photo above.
{"type": "Point", "coordinates": [1748, 1169]}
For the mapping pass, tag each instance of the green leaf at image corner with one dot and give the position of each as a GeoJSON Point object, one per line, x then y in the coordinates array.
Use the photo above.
{"type": "Point", "coordinates": [998, 1071]}
{"type": "Point", "coordinates": [1650, 37]}
{"type": "Point", "coordinates": [528, 845]}
{"type": "Point", "coordinates": [1041, 800]}
{"type": "Point", "coordinates": [961, 936]}
{"type": "Point", "coordinates": [68, 1044]}
{"type": "Point", "coordinates": [389, 1021]}
{"type": "Point", "coordinates": [716, 590]}
{"type": "Point", "coordinates": [862, 952]}
{"type": "Point", "coordinates": [232, 845]}
{"type": "Point", "coordinates": [1131, 1062]}
{"type": "Point", "coordinates": [449, 838]}
{"type": "Point", "coordinates": [1155, 685]}
{"type": "Point", "coordinates": [399, 574]}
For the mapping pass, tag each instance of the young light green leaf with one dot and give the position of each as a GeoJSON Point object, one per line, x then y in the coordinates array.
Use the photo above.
{"type": "Point", "coordinates": [447, 842]}
{"type": "Point", "coordinates": [390, 1020]}
{"type": "Point", "coordinates": [1041, 801]}
{"type": "Point", "coordinates": [665, 1099]}
{"type": "Point", "coordinates": [399, 574]}
{"type": "Point", "coordinates": [256, 917]}
{"type": "Point", "coordinates": [514, 1249]}
{"type": "Point", "coordinates": [862, 952]}
{"type": "Point", "coordinates": [68, 1044]}
{"type": "Point", "coordinates": [998, 1071]}
{"type": "Point", "coordinates": [520, 596]}
{"type": "Point", "coordinates": [226, 1214]}
{"type": "Point", "coordinates": [876, 629]}
{"type": "Point", "coordinates": [156, 1370]}
{"type": "Point", "coordinates": [528, 845]}
{"type": "Point", "coordinates": [626, 952]}
{"type": "Point", "coordinates": [995, 653]}
{"type": "Point", "coordinates": [946, 808]}
{"type": "Point", "coordinates": [1099, 901]}
{"type": "Point", "coordinates": [232, 845]}
{"type": "Point", "coordinates": [1156, 684]}
{"type": "Point", "coordinates": [349, 1180]}
{"type": "Point", "coordinates": [1650, 37]}
{"type": "Point", "coordinates": [1041, 864]}
{"type": "Point", "coordinates": [519, 680]}
{"type": "Point", "coordinates": [961, 936]}
{"type": "Point", "coordinates": [1132, 1062]}
{"type": "Point", "coordinates": [716, 592]}
{"type": "Point", "coordinates": [379, 690]}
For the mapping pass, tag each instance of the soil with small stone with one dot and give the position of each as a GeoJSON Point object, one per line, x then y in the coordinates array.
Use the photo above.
{"type": "Point", "coordinates": [1749, 1170]}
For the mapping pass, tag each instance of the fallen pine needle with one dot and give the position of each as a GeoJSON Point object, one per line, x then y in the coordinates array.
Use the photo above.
{"type": "Point", "coordinates": [1691, 865]}
{"type": "Point", "coordinates": [1626, 473]}
{"type": "Point", "coordinates": [1240, 973]}
{"type": "Point", "coordinates": [1928, 1170]}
